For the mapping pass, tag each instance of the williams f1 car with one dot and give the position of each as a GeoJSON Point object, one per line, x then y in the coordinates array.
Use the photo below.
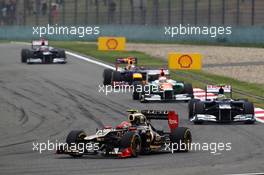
{"type": "Point", "coordinates": [130, 138]}
{"type": "Point", "coordinates": [41, 52]}
{"type": "Point", "coordinates": [129, 74]}
{"type": "Point", "coordinates": [163, 89]}
{"type": "Point", "coordinates": [221, 109]}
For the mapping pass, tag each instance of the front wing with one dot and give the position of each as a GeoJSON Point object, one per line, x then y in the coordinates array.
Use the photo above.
{"type": "Point", "coordinates": [211, 118]}
{"type": "Point", "coordinates": [40, 61]}
{"type": "Point", "coordinates": [157, 97]}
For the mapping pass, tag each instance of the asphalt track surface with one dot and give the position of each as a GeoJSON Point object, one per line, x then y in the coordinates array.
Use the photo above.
{"type": "Point", "coordinates": [45, 102]}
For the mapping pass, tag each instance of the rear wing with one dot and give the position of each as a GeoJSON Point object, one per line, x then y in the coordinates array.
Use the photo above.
{"type": "Point", "coordinates": [218, 89]}
{"type": "Point", "coordinates": [37, 43]}
{"type": "Point", "coordinates": [153, 75]}
{"type": "Point", "coordinates": [171, 116]}
{"type": "Point", "coordinates": [126, 60]}
{"type": "Point", "coordinates": [157, 72]}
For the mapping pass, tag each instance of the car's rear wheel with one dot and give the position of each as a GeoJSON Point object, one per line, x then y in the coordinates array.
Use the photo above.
{"type": "Point", "coordinates": [116, 76]}
{"type": "Point", "coordinates": [188, 89]}
{"type": "Point", "coordinates": [74, 138]}
{"type": "Point", "coordinates": [107, 76]}
{"type": "Point", "coordinates": [182, 138]}
{"type": "Point", "coordinates": [132, 141]}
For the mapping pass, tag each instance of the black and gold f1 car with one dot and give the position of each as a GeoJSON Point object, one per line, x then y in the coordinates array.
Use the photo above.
{"type": "Point", "coordinates": [130, 138]}
{"type": "Point", "coordinates": [221, 109]}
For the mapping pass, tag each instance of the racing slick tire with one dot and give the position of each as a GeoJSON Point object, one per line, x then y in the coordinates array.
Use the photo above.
{"type": "Point", "coordinates": [143, 98]}
{"type": "Point", "coordinates": [182, 138]}
{"type": "Point", "coordinates": [191, 107]}
{"type": "Point", "coordinates": [107, 75]}
{"type": "Point", "coordinates": [133, 141]}
{"type": "Point", "coordinates": [116, 76]}
{"type": "Point", "coordinates": [30, 54]}
{"type": "Point", "coordinates": [198, 109]}
{"type": "Point", "coordinates": [136, 95]}
{"type": "Point", "coordinates": [188, 89]}
{"type": "Point", "coordinates": [249, 109]}
{"type": "Point", "coordinates": [75, 137]}
{"type": "Point", "coordinates": [61, 54]}
{"type": "Point", "coordinates": [24, 55]}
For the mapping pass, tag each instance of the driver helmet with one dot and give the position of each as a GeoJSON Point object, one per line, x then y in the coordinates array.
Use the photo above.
{"type": "Point", "coordinates": [162, 79]}
{"type": "Point", "coordinates": [137, 119]}
{"type": "Point", "coordinates": [221, 97]}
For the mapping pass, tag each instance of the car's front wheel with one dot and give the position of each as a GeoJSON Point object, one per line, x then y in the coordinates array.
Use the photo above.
{"type": "Point", "coordinates": [107, 76]}
{"type": "Point", "coordinates": [61, 54]}
{"type": "Point", "coordinates": [249, 109]}
{"type": "Point", "coordinates": [132, 141]}
{"type": "Point", "coordinates": [24, 55]}
{"type": "Point", "coordinates": [74, 138]}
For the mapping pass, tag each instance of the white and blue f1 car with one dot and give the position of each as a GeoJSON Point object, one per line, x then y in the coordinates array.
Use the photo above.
{"type": "Point", "coordinates": [221, 109]}
{"type": "Point", "coordinates": [41, 52]}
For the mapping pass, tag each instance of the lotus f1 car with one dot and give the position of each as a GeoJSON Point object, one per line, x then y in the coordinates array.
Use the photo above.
{"type": "Point", "coordinates": [129, 74]}
{"type": "Point", "coordinates": [41, 52]}
{"type": "Point", "coordinates": [130, 138]}
{"type": "Point", "coordinates": [221, 109]}
{"type": "Point", "coordinates": [163, 89]}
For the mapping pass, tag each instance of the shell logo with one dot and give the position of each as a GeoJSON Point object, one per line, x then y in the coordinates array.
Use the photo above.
{"type": "Point", "coordinates": [111, 44]}
{"type": "Point", "coordinates": [185, 61]}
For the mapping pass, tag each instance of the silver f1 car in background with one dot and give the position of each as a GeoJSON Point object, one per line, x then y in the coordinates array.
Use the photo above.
{"type": "Point", "coordinates": [41, 52]}
{"type": "Point", "coordinates": [221, 109]}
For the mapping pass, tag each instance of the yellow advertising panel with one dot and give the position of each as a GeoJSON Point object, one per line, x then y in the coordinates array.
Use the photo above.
{"type": "Point", "coordinates": [187, 61]}
{"type": "Point", "coordinates": [111, 43]}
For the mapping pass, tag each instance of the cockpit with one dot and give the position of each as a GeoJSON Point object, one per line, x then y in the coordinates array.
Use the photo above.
{"type": "Point", "coordinates": [162, 79]}
{"type": "Point", "coordinates": [137, 119]}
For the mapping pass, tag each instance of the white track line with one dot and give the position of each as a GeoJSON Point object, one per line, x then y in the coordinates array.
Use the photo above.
{"type": "Point", "coordinates": [247, 174]}
{"type": "Point", "coordinates": [90, 60]}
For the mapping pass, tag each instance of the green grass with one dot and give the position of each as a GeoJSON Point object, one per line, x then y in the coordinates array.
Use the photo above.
{"type": "Point", "coordinates": [106, 56]}
{"type": "Point", "coordinates": [4, 41]}
{"type": "Point", "coordinates": [197, 78]}
{"type": "Point", "coordinates": [203, 43]}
